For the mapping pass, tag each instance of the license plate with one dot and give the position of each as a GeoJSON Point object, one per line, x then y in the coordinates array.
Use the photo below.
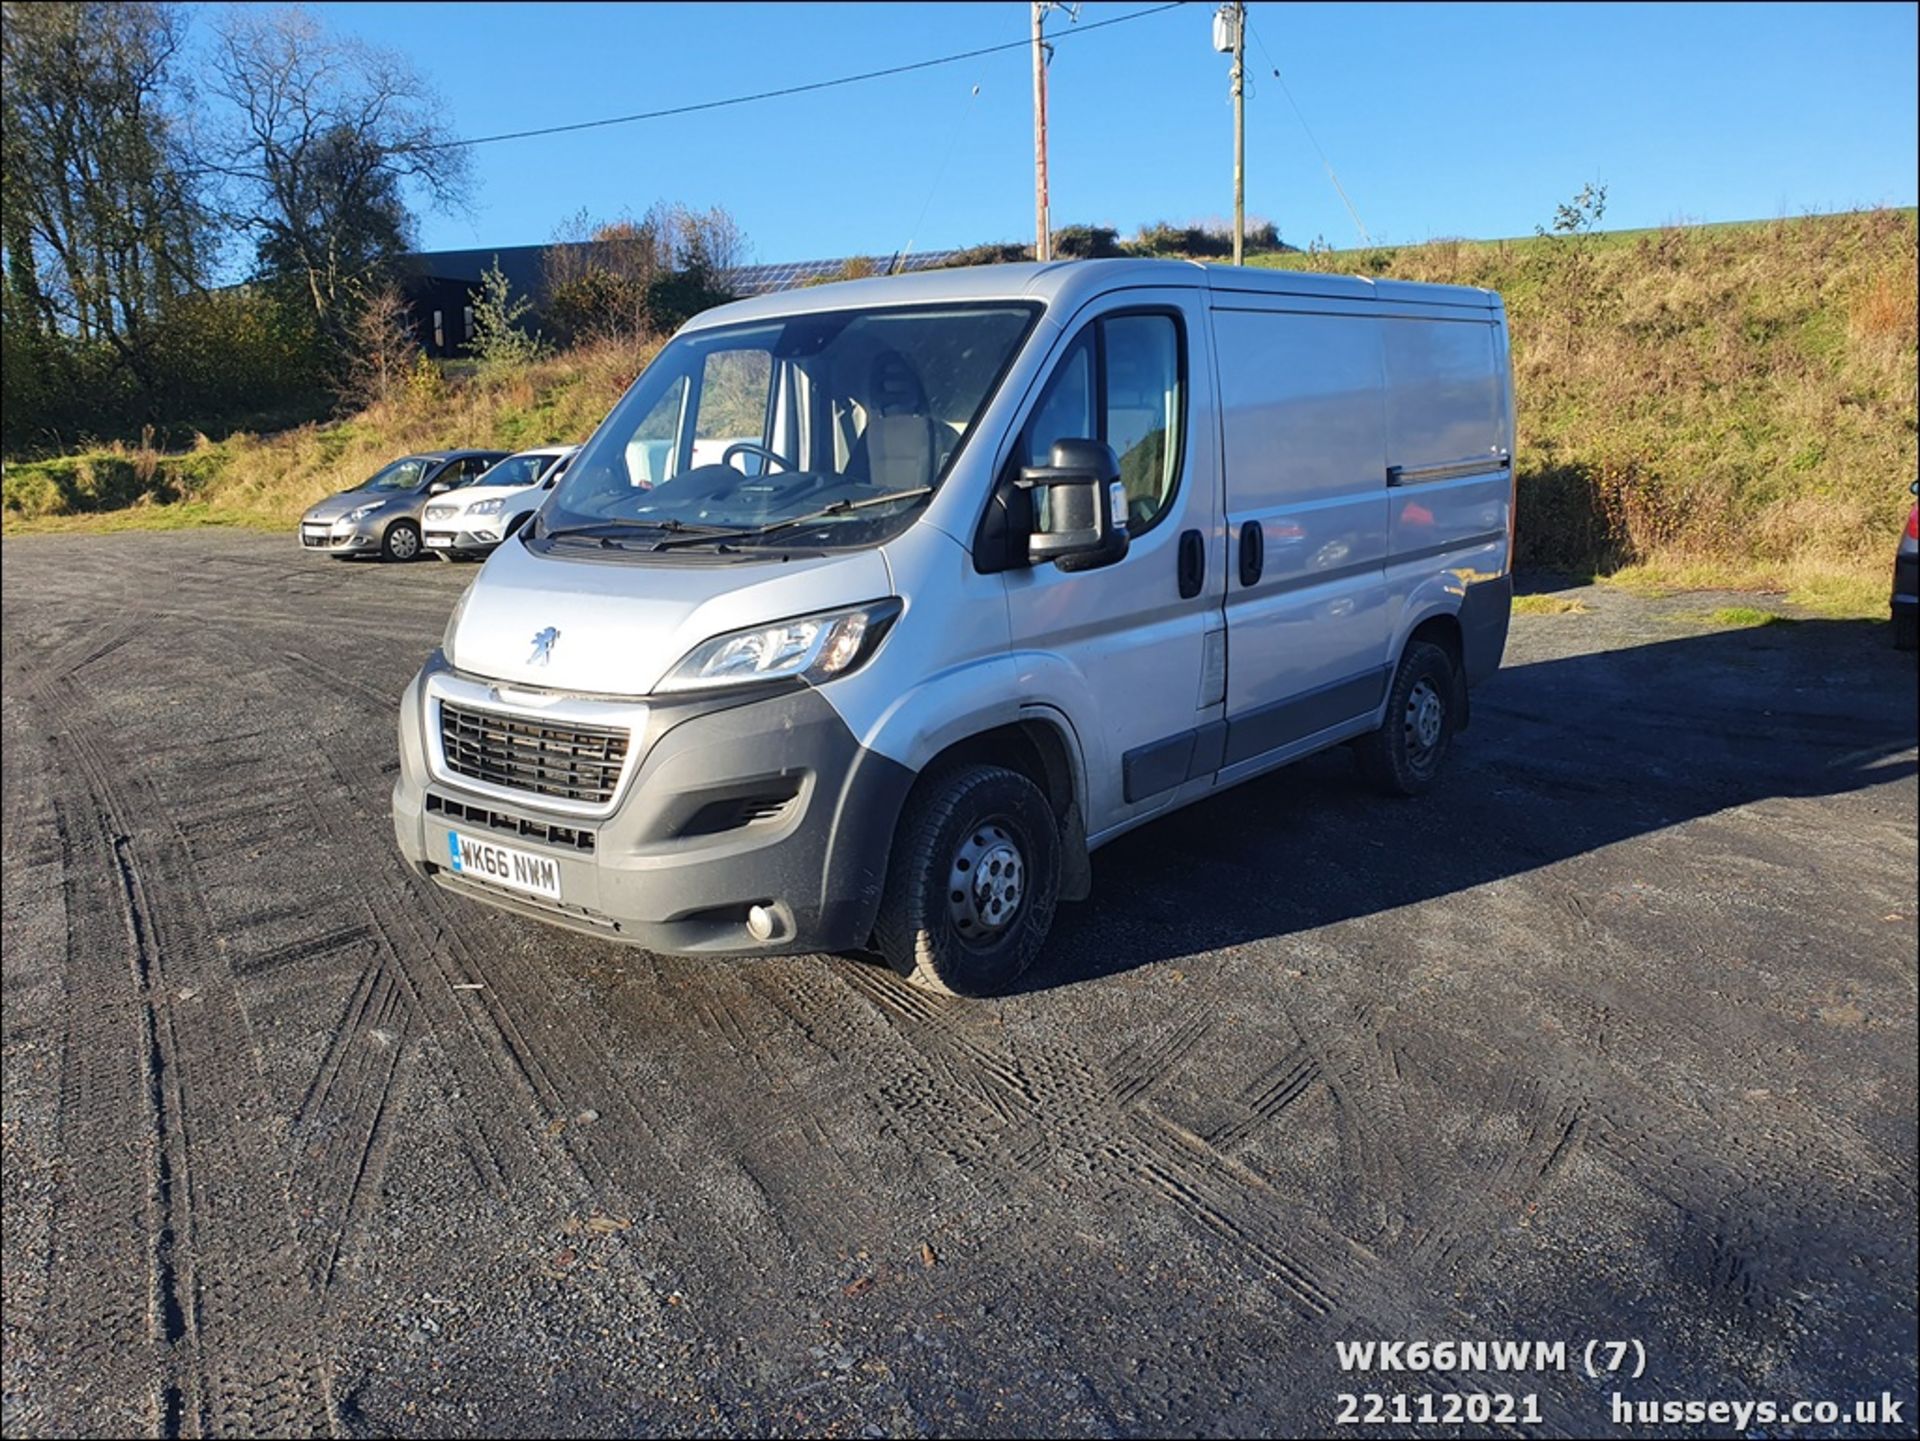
{"type": "Point", "coordinates": [440, 540]}
{"type": "Point", "coordinates": [504, 866]}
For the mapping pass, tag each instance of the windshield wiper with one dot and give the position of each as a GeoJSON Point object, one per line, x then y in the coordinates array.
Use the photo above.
{"type": "Point", "coordinates": [606, 530]}
{"type": "Point", "coordinates": [826, 512]}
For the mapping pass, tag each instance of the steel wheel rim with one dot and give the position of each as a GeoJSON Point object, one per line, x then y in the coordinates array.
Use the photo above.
{"type": "Point", "coordinates": [986, 883]}
{"type": "Point", "coordinates": [1426, 720]}
{"type": "Point", "coordinates": [404, 543]}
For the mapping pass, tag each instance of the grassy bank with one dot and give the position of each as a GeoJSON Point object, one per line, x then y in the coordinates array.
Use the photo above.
{"type": "Point", "coordinates": [1712, 406]}
{"type": "Point", "coordinates": [266, 481]}
{"type": "Point", "coordinates": [1728, 405]}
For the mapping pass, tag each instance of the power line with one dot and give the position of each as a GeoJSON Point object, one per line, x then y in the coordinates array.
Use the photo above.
{"type": "Point", "coordinates": [1339, 189]}
{"type": "Point", "coordinates": [702, 105]}
{"type": "Point", "coordinates": [953, 144]}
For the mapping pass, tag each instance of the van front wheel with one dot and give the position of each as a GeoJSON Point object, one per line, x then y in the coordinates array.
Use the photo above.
{"type": "Point", "coordinates": [1404, 756]}
{"type": "Point", "coordinates": [975, 875]}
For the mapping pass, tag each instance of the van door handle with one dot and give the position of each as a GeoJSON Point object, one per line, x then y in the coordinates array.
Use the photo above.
{"type": "Point", "coordinates": [1253, 552]}
{"type": "Point", "coordinates": [1193, 563]}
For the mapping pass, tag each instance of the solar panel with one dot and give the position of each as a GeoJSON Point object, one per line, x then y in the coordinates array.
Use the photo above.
{"type": "Point", "coordinates": [747, 280]}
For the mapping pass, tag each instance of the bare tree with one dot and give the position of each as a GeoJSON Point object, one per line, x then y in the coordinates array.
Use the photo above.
{"type": "Point", "coordinates": [709, 241]}
{"type": "Point", "coordinates": [628, 277]}
{"type": "Point", "coordinates": [101, 214]}
{"type": "Point", "coordinates": [385, 348]}
{"type": "Point", "coordinates": [331, 136]}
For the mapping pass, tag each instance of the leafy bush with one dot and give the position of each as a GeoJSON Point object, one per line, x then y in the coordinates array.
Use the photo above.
{"type": "Point", "coordinates": [674, 299]}
{"type": "Point", "coordinates": [222, 360]}
{"type": "Point", "coordinates": [1003, 253]}
{"type": "Point", "coordinates": [1086, 242]}
{"type": "Point", "coordinates": [1211, 241]}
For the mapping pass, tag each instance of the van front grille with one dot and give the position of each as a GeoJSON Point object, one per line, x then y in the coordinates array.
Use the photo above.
{"type": "Point", "coordinates": [544, 758]}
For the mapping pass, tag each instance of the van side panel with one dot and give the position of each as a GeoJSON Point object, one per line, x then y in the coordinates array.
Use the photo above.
{"type": "Point", "coordinates": [1449, 451]}
{"type": "Point", "coordinates": [1305, 453]}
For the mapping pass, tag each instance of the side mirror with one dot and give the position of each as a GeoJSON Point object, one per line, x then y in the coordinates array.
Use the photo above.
{"type": "Point", "coordinates": [439, 487]}
{"type": "Point", "coordinates": [1079, 507]}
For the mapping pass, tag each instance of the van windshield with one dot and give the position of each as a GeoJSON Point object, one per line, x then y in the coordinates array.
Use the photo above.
{"type": "Point", "coordinates": [761, 427]}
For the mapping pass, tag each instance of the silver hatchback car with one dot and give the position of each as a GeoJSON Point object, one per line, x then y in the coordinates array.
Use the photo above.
{"type": "Point", "coordinates": [382, 516]}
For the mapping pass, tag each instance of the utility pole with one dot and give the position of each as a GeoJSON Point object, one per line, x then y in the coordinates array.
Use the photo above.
{"type": "Point", "coordinates": [1239, 130]}
{"type": "Point", "coordinates": [1042, 234]}
{"type": "Point", "coordinates": [1230, 36]}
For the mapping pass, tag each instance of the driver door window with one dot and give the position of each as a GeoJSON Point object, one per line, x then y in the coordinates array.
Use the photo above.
{"type": "Point", "coordinates": [1120, 382]}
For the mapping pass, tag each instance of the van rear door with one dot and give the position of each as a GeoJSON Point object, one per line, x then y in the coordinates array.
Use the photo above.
{"type": "Point", "coordinates": [1306, 505]}
{"type": "Point", "coordinates": [1448, 470]}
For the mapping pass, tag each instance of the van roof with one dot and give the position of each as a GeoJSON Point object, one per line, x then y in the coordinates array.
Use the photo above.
{"type": "Point", "coordinates": [1067, 283]}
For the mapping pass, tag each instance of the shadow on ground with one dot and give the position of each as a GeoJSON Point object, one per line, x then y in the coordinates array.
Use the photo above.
{"type": "Point", "coordinates": [1563, 756]}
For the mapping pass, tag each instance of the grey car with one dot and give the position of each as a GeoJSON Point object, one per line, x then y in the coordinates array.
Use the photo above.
{"type": "Point", "coordinates": [382, 516]}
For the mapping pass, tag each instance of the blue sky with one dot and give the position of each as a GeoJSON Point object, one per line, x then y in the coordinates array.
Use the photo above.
{"type": "Point", "coordinates": [1442, 120]}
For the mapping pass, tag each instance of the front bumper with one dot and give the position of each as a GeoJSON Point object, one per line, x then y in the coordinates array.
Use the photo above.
{"type": "Point", "coordinates": [440, 536]}
{"type": "Point", "coordinates": [362, 536]}
{"type": "Point", "coordinates": [726, 805]}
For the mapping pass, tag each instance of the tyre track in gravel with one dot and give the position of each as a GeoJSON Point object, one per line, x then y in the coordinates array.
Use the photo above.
{"type": "Point", "coordinates": [339, 1129]}
{"type": "Point", "coordinates": [756, 1122]}
{"type": "Point", "coordinates": [555, 1077]}
{"type": "Point", "coordinates": [225, 1292]}
{"type": "Point", "coordinates": [1093, 1127]}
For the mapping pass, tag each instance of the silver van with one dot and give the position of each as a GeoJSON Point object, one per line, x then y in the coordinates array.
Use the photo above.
{"type": "Point", "coordinates": [873, 610]}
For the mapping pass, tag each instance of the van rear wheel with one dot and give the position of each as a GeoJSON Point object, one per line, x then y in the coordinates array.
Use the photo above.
{"type": "Point", "coordinates": [1403, 757]}
{"type": "Point", "coordinates": [975, 876]}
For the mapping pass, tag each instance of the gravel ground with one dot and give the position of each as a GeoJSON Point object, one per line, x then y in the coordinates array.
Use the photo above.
{"type": "Point", "coordinates": [1613, 1036]}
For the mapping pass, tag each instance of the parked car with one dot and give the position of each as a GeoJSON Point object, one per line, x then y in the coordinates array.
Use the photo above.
{"type": "Point", "coordinates": [873, 609]}
{"type": "Point", "coordinates": [1906, 581]}
{"type": "Point", "coordinates": [382, 516]}
{"type": "Point", "coordinates": [497, 504]}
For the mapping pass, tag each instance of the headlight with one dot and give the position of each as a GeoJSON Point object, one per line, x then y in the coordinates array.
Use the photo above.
{"type": "Point", "coordinates": [486, 507]}
{"type": "Point", "coordinates": [809, 648]}
{"type": "Point", "coordinates": [453, 624]}
{"type": "Point", "coordinates": [359, 513]}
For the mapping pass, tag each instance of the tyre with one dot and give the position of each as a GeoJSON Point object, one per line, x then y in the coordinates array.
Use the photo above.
{"type": "Point", "coordinates": [975, 876]}
{"type": "Point", "coordinates": [1403, 757]}
{"type": "Point", "coordinates": [1906, 628]}
{"type": "Point", "coordinates": [401, 542]}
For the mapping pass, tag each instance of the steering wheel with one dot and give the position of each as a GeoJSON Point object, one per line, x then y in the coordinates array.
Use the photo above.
{"type": "Point", "coordinates": [726, 456]}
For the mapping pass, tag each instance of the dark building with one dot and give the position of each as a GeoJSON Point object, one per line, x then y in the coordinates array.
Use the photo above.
{"type": "Point", "coordinates": [440, 284]}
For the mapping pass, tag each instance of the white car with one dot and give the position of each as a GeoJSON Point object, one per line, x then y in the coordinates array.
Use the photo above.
{"type": "Point", "coordinates": [495, 505]}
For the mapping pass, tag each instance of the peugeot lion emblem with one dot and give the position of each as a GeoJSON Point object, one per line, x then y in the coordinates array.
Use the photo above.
{"type": "Point", "coordinates": [543, 646]}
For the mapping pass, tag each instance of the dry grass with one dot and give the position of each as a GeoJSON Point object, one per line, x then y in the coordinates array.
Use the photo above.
{"type": "Point", "coordinates": [1548, 605]}
{"type": "Point", "coordinates": [1810, 584]}
{"type": "Point", "coordinates": [1712, 407]}
{"type": "Point", "coordinates": [268, 480]}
